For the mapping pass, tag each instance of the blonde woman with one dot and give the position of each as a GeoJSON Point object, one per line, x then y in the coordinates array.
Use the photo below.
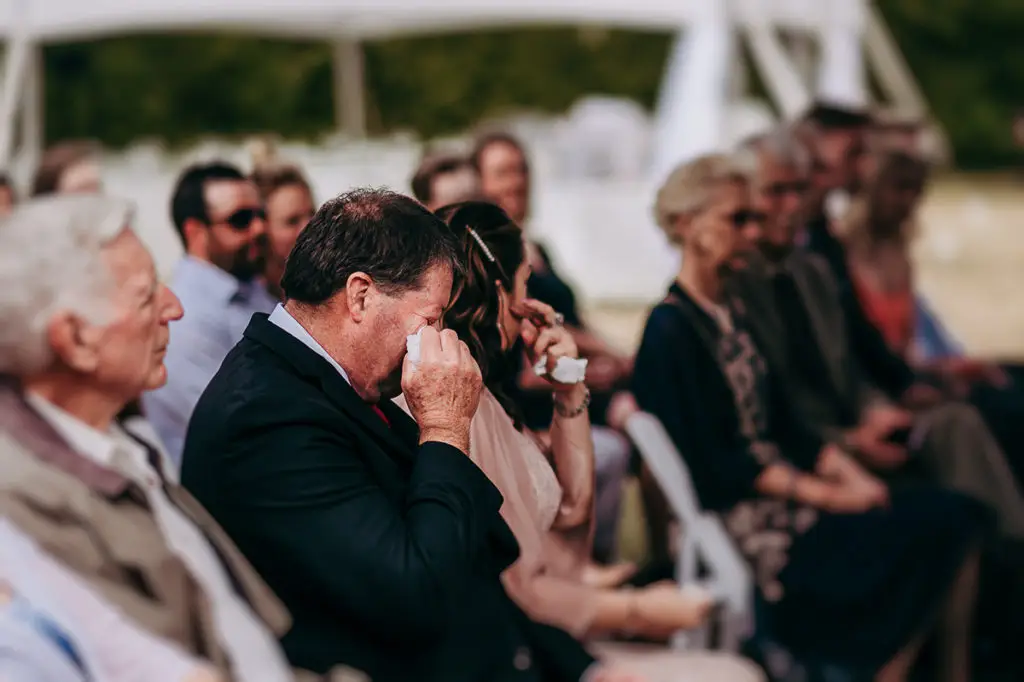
{"type": "Point", "coordinates": [851, 573]}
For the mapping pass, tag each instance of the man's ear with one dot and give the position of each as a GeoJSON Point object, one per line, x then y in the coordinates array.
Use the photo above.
{"type": "Point", "coordinates": [75, 343]}
{"type": "Point", "coordinates": [358, 289]}
{"type": "Point", "coordinates": [197, 237]}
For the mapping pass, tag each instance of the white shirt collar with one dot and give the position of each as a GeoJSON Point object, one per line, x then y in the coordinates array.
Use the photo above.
{"type": "Point", "coordinates": [98, 446]}
{"type": "Point", "coordinates": [284, 320]}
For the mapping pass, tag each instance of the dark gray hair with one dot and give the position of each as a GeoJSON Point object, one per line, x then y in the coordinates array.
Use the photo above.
{"type": "Point", "coordinates": [389, 236]}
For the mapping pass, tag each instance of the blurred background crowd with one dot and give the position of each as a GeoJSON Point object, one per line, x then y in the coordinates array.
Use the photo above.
{"type": "Point", "coordinates": [828, 192]}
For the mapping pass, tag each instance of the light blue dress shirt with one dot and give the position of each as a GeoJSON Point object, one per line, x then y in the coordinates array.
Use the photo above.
{"type": "Point", "coordinates": [217, 310]}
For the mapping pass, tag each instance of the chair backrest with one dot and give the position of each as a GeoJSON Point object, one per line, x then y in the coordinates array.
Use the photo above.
{"type": "Point", "coordinates": [666, 464]}
{"type": "Point", "coordinates": [704, 537]}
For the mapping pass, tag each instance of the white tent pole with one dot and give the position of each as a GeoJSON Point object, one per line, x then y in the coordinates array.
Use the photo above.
{"type": "Point", "coordinates": [33, 108]}
{"type": "Point", "coordinates": [779, 74]}
{"type": "Point", "coordinates": [15, 66]}
{"type": "Point", "coordinates": [349, 87]}
{"type": "Point", "coordinates": [693, 106]}
{"type": "Point", "coordinates": [841, 73]}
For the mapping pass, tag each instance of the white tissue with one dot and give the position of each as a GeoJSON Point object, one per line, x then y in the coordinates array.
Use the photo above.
{"type": "Point", "coordinates": [567, 370]}
{"type": "Point", "coordinates": [412, 346]}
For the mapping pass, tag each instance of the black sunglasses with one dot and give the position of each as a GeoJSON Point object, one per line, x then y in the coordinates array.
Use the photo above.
{"type": "Point", "coordinates": [244, 217]}
{"type": "Point", "coordinates": [741, 219]}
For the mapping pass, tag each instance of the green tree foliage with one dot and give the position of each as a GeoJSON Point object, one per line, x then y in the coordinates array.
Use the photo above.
{"type": "Point", "coordinates": [179, 87]}
{"type": "Point", "coordinates": [967, 54]}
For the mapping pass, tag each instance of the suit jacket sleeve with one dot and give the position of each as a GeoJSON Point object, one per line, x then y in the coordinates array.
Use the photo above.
{"type": "Point", "coordinates": [864, 393]}
{"type": "Point", "coordinates": [560, 655]}
{"type": "Point", "coordinates": [306, 493]}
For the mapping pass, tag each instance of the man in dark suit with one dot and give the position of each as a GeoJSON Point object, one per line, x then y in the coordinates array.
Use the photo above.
{"type": "Point", "coordinates": [793, 303]}
{"type": "Point", "coordinates": [377, 531]}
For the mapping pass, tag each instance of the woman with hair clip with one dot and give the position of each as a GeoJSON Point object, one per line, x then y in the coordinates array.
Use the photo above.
{"type": "Point", "coordinates": [850, 573]}
{"type": "Point", "coordinates": [549, 495]}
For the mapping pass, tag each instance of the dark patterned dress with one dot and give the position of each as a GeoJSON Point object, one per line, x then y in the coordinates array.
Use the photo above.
{"type": "Point", "coordinates": [843, 589]}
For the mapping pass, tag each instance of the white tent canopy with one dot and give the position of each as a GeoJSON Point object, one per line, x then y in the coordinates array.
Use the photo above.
{"type": "Point", "coordinates": [62, 20]}
{"type": "Point", "coordinates": [800, 48]}
{"type": "Point", "coordinates": [696, 92]}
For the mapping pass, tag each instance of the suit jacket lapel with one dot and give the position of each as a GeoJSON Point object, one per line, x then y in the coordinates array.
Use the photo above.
{"type": "Point", "coordinates": [311, 365]}
{"type": "Point", "coordinates": [824, 333]}
{"type": "Point", "coordinates": [753, 286]}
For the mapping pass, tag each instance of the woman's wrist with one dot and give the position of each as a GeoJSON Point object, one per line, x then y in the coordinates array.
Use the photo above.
{"type": "Point", "coordinates": [572, 402]}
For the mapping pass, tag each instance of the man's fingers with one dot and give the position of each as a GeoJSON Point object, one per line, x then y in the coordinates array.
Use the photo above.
{"type": "Point", "coordinates": [430, 344]}
{"type": "Point", "coordinates": [449, 343]}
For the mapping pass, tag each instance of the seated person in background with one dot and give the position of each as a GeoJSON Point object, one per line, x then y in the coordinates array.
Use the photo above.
{"type": "Point", "coordinates": [443, 179]}
{"type": "Point", "coordinates": [219, 216]}
{"type": "Point", "coordinates": [793, 304]}
{"type": "Point", "coordinates": [549, 498]}
{"type": "Point", "coordinates": [877, 235]}
{"type": "Point", "coordinates": [288, 201]}
{"type": "Point", "coordinates": [69, 167]}
{"type": "Point", "coordinates": [504, 173]}
{"type": "Point", "coordinates": [835, 138]}
{"type": "Point", "coordinates": [8, 195]}
{"type": "Point", "coordinates": [823, 537]}
{"type": "Point", "coordinates": [378, 531]}
{"type": "Point", "coordinates": [46, 608]}
{"type": "Point", "coordinates": [85, 335]}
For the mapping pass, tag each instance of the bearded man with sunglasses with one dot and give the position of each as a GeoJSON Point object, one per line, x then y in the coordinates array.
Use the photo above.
{"type": "Point", "coordinates": [219, 216]}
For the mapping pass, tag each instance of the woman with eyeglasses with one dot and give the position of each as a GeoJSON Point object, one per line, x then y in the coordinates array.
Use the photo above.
{"type": "Point", "coordinates": [849, 572]}
{"type": "Point", "coordinates": [549, 491]}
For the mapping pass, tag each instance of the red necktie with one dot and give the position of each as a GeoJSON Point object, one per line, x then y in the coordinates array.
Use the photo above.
{"type": "Point", "coordinates": [380, 413]}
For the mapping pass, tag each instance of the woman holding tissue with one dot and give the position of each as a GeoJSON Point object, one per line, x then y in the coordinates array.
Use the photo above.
{"type": "Point", "coordinates": [850, 573]}
{"type": "Point", "coordinates": [549, 495]}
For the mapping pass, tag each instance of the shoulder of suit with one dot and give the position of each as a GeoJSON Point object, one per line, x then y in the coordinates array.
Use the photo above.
{"type": "Point", "coordinates": [814, 264]}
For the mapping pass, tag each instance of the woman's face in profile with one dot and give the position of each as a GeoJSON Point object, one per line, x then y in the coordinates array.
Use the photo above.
{"type": "Point", "coordinates": [512, 309]}
{"type": "Point", "coordinates": [725, 229]}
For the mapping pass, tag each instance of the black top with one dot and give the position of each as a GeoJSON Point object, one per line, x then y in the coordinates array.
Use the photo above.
{"type": "Point", "coordinates": [387, 553]}
{"type": "Point", "coordinates": [678, 379]}
{"type": "Point", "coordinates": [881, 365]}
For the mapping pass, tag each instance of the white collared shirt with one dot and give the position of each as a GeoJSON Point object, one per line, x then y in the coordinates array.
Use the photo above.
{"type": "Point", "coordinates": [253, 650]}
{"type": "Point", "coordinates": [283, 319]}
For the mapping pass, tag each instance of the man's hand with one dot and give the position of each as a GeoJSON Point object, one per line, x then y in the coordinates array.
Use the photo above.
{"type": "Point", "coordinates": [443, 388]}
{"type": "Point", "coordinates": [870, 437]}
{"type": "Point", "coordinates": [921, 395]}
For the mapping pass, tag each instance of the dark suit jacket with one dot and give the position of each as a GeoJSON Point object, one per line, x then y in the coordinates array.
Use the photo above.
{"type": "Point", "coordinates": [820, 295]}
{"type": "Point", "coordinates": [387, 553]}
{"type": "Point", "coordinates": [885, 368]}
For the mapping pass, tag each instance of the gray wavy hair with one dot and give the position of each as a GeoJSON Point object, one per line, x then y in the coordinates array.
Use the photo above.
{"type": "Point", "coordinates": [782, 144]}
{"type": "Point", "coordinates": [51, 260]}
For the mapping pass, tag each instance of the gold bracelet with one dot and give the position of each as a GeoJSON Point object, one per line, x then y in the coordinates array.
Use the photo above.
{"type": "Point", "coordinates": [576, 411]}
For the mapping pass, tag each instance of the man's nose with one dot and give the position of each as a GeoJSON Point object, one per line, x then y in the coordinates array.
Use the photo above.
{"type": "Point", "coordinates": [172, 308]}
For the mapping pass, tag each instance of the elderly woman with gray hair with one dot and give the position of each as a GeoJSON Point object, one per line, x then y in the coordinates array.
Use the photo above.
{"type": "Point", "coordinates": [850, 573]}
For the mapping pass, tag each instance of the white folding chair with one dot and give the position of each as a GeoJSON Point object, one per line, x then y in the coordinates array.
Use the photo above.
{"type": "Point", "coordinates": [703, 540]}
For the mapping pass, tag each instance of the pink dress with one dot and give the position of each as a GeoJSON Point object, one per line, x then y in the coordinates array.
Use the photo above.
{"type": "Point", "coordinates": [546, 580]}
